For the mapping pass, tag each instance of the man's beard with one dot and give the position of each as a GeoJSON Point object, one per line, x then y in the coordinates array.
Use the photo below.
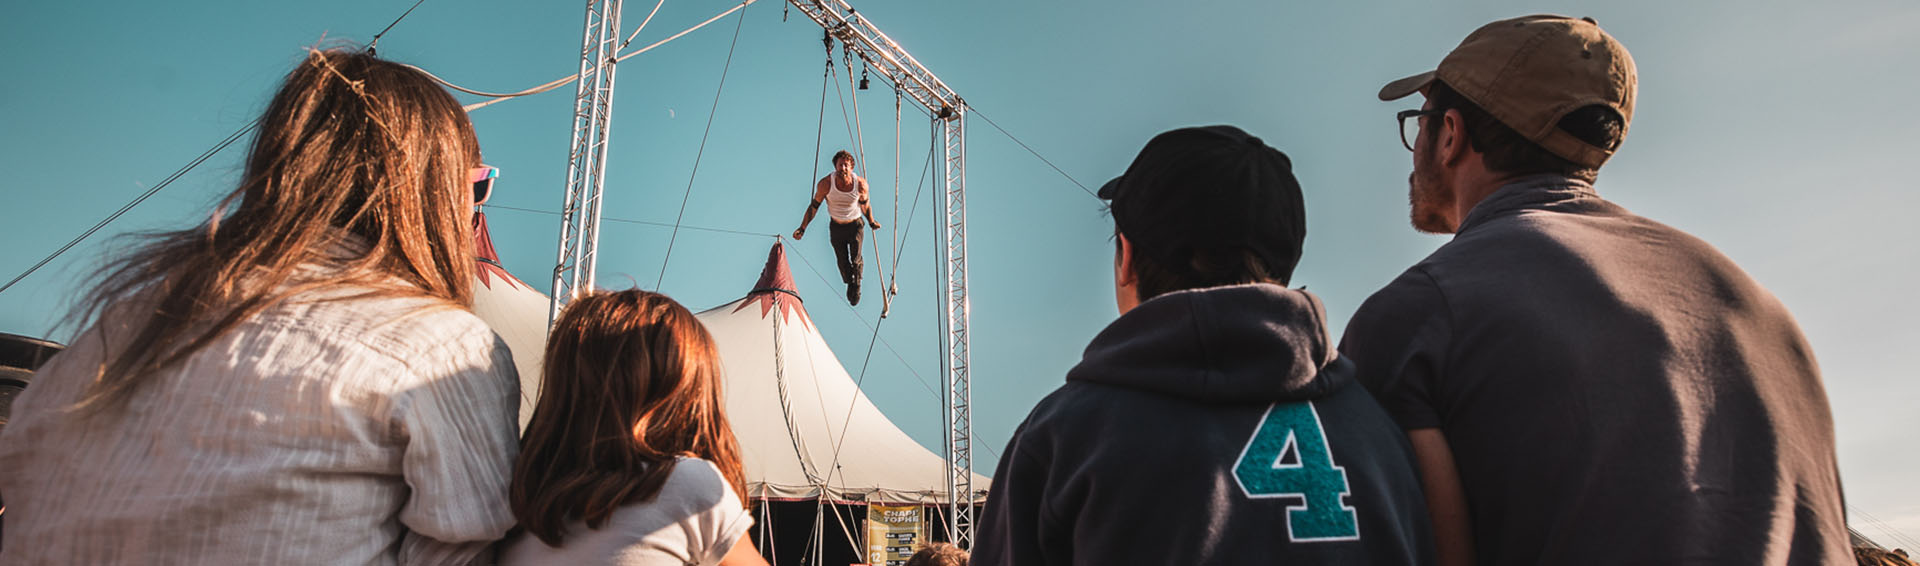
{"type": "Point", "coordinates": [1428, 197]}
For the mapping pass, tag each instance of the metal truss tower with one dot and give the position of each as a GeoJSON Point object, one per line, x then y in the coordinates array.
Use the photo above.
{"type": "Point", "coordinates": [863, 39]}
{"type": "Point", "coordinates": [587, 156]}
{"type": "Point", "coordinates": [956, 363]}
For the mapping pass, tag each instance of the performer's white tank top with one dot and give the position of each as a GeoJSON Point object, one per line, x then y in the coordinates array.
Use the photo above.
{"type": "Point", "coordinates": [843, 204]}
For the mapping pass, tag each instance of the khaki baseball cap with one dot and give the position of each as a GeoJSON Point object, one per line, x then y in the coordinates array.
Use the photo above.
{"type": "Point", "coordinates": [1529, 72]}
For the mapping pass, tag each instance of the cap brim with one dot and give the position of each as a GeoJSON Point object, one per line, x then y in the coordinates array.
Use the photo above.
{"type": "Point", "coordinates": [1401, 88]}
{"type": "Point", "coordinates": [1106, 191]}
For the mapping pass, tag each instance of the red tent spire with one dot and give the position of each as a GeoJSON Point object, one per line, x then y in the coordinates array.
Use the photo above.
{"type": "Point", "coordinates": [486, 257]}
{"type": "Point", "coordinates": [776, 287]}
{"type": "Point", "coordinates": [775, 276]}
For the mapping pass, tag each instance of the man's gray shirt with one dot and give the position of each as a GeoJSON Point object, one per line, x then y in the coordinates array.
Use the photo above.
{"type": "Point", "coordinates": [1615, 391]}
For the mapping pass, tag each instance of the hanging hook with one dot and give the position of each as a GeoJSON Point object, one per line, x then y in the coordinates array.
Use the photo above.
{"type": "Point", "coordinates": [826, 40]}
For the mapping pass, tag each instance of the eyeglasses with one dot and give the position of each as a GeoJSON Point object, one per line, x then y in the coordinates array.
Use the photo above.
{"type": "Point", "coordinates": [482, 178]}
{"type": "Point", "coordinates": [1411, 130]}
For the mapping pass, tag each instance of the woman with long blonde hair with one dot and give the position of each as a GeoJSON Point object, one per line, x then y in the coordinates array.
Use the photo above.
{"type": "Point", "coordinates": [296, 380]}
{"type": "Point", "coordinates": [629, 459]}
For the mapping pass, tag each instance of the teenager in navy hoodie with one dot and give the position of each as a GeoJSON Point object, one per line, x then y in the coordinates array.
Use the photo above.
{"type": "Point", "coordinates": [1213, 422]}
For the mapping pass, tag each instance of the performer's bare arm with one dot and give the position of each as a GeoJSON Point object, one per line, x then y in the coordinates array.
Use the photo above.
{"type": "Point", "coordinates": [819, 194]}
{"type": "Point", "coordinates": [867, 210]}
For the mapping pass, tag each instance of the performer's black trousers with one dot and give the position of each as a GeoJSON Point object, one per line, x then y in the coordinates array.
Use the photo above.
{"type": "Point", "coordinates": [846, 247]}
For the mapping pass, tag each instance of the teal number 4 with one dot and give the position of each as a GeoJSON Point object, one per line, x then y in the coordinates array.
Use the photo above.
{"type": "Point", "coordinates": [1288, 456]}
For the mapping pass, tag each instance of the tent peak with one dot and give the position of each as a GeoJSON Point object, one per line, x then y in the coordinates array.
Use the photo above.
{"type": "Point", "coordinates": [488, 257]}
{"type": "Point", "coordinates": [775, 277]}
{"type": "Point", "coordinates": [776, 289]}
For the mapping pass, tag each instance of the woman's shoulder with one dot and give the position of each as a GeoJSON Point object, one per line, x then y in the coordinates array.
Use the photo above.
{"type": "Point", "coordinates": [700, 482]}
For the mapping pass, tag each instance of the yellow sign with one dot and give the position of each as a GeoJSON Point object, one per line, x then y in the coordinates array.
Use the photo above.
{"type": "Point", "coordinates": [892, 533]}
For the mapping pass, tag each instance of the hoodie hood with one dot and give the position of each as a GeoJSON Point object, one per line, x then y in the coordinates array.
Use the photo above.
{"type": "Point", "coordinates": [1255, 343]}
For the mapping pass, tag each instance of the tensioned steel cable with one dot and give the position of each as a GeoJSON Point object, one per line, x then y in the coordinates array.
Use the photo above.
{"type": "Point", "coordinates": [396, 21]}
{"type": "Point", "coordinates": [714, 111]}
{"type": "Point", "coordinates": [242, 132]}
{"type": "Point", "coordinates": [863, 321]}
{"type": "Point", "coordinates": [557, 83]}
{"type": "Point", "coordinates": [631, 221]}
{"type": "Point", "coordinates": [819, 125]}
{"type": "Point", "coordinates": [868, 359]}
{"type": "Point", "coordinates": [1023, 145]}
{"type": "Point", "coordinates": [643, 25]}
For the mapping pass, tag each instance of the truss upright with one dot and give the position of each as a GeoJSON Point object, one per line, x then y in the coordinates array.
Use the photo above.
{"type": "Point", "coordinates": [880, 52]}
{"type": "Point", "coordinates": [955, 308]}
{"type": "Point", "coordinates": [587, 155]}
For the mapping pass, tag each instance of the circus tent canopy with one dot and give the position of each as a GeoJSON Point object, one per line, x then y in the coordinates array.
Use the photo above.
{"type": "Point", "coordinates": [806, 431]}
{"type": "Point", "coordinates": [805, 428]}
{"type": "Point", "coordinates": [515, 311]}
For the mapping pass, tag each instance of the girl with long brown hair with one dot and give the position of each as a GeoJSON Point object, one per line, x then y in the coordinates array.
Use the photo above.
{"type": "Point", "coordinates": [629, 459]}
{"type": "Point", "coordinates": [296, 380]}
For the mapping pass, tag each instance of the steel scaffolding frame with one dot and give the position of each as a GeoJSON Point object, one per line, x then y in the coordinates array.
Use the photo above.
{"type": "Point", "coordinates": [956, 364]}
{"type": "Point", "coordinates": [587, 156]}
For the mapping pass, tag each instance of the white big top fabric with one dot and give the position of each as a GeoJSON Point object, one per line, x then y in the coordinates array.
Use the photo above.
{"type": "Point", "coordinates": [515, 311]}
{"type": "Point", "coordinates": [792, 405]}
{"type": "Point", "coordinates": [794, 408]}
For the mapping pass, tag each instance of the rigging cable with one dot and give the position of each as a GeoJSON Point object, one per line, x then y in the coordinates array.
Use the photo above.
{"type": "Point", "coordinates": [820, 125]}
{"type": "Point", "coordinates": [630, 221]}
{"type": "Point", "coordinates": [800, 451]}
{"type": "Point", "coordinates": [396, 21]}
{"type": "Point", "coordinates": [715, 111]}
{"type": "Point", "coordinates": [1899, 538]}
{"type": "Point", "coordinates": [643, 25]}
{"type": "Point", "coordinates": [557, 83]}
{"type": "Point", "coordinates": [844, 116]}
{"type": "Point", "coordinates": [242, 132]}
{"type": "Point", "coordinates": [918, 189]}
{"type": "Point", "coordinates": [851, 539]}
{"type": "Point", "coordinates": [858, 133]}
{"type": "Point", "coordinates": [1023, 145]}
{"type": "Point", "coordinates": [868, 359]}
{"type": "Point", "coordinates": [768, 549]}
{"type": "Point", "coordinates": [863, 321]}
{"type": "Point", "coordinates": [893, 282]}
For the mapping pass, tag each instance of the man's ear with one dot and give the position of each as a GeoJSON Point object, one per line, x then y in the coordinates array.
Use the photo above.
{"type": "Point", "coordinates": [1452, 144]}
{"type": "Point", "coordinates": [1123, 264]}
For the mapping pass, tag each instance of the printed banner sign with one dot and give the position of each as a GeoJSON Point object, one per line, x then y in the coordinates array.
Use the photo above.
{"type": "Point", "coordinates": [892, 533]}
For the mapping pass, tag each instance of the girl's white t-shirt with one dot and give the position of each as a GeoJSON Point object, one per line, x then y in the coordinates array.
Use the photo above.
{"type": "Point", "coordinates": [696, 519]}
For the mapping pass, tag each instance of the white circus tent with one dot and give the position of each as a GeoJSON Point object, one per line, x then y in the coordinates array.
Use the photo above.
{"type": "Point", "coordinates": [516, 312]}
{"type": "Point", "coordinates": [806, 430]}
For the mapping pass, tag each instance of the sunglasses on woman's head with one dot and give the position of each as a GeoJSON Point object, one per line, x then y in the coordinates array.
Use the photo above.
{"type": "Point", "coordinates": [482, 178]}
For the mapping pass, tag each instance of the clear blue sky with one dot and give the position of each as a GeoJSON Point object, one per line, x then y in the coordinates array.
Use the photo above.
{"type": "Point", "coordinates": [1779, 131]}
